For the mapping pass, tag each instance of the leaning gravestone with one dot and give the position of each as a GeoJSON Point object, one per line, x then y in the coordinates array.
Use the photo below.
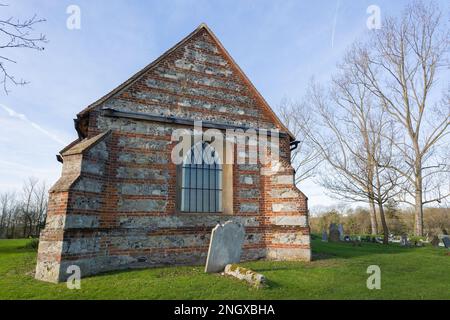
{"type": "Point", "coordinates": [334, 234]}
{"type": "Point", "coordinates": [341, 231]}
{"type": "Point", "coordinates": [225, 246]}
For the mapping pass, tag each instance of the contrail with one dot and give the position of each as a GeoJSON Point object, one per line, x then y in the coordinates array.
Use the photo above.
{"type": "Point", "coordinates": [24, 118]}
{"type": "Point", "coordinates": [338, 5]}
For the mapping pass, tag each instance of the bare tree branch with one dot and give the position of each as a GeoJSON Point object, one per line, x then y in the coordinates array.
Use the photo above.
{"type": "Point", "coordinates": [15, 33]}
{"type": "Point", "coordinates": [400, 65]}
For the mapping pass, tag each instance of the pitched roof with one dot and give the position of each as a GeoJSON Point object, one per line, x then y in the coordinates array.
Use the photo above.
{"type": "Point", "coordinates": [140, 73]}
{"type": "Point", "coordinates": [83, 145]}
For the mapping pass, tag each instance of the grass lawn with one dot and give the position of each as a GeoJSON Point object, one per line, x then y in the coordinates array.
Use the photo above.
{"type": "Point", "coordinates": [338, 272]}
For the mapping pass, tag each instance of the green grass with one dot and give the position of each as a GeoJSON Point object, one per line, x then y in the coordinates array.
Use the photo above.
{"type": "Point", "coordinates": [338, 272]}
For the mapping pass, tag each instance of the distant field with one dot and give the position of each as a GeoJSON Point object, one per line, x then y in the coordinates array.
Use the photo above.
{"type": "Point", "coordinates": [338, 272]}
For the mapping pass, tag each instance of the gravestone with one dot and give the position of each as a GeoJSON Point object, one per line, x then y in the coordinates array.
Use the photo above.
{"type": "Point", "coordinates": [341, 232]}
{"type": "Point", "coordinates": [404, 241]}
{"type": "Point", "coordinates": [225, 246]}
{"type": "Point", "coordinates": [446, 241]}
{"type": "Point", "coordinates": [324, 236]}
{"type": "Point", "coordinates": [334, 234]}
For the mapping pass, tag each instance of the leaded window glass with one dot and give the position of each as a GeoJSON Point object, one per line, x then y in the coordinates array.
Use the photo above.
{"type": "Point", "coordinates": [201, 180]}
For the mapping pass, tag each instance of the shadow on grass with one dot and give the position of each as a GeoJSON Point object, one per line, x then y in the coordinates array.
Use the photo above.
{"type": "Point", "coordinates": [156, 272]}
{"type": "Point", "coordinates": [270, 285]}
{"type": "Point", "coordinates": [332, 250]}
{"type": "Point", "coordinates": [16, 250]}
{"type": "Point", "coordinates": [283, 268]}
{"type": "Point", "coordinates": [317, 256]}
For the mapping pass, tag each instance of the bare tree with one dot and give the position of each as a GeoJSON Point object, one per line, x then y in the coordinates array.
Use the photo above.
{"type": "Point", "coordinates": [305, 158]}
{"type": "Point", "coordinates": [27, 209]}
{"type": "Point", "coordinates": [401, 65]}
{"type": "Point", "coordinates": [349, 133]}
{"type": "Point", "coordinates": [40, 196]}
{"type": "Point", "coordinates": [386, 182]}
{"type": "Point", "coordinates": [7, 203]}
{"type": "Point", "coordinates": [22, 215]}
{"type": "Point", "coordinates": [10, 214]}
{"type": "Point", "coordinates": [15, 33]}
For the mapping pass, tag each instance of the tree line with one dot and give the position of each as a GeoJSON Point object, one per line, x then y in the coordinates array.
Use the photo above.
{"type": "Point", "coordinates": [378, 131]}
{"type": "Point", "coordinates": [22, 214]}
{"type": "Point", "coordinates": [356, 221]}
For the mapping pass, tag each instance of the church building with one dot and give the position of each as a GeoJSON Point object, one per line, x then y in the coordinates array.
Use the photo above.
{"type": "Point", "coordinates": [123, 201]}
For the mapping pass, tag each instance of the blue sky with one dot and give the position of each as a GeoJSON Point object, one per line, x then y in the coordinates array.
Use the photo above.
{"type": "Point", "coordinates": [280, 45]}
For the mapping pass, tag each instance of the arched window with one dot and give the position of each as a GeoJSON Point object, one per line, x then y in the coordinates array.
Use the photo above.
{"type": "Point", "coordinates": [201, 180]}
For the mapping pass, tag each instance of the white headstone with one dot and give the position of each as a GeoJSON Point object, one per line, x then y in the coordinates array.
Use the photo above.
{"type": "Point", "coordinates": [225, 246]}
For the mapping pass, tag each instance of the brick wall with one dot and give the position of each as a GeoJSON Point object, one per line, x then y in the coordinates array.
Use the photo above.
{"type": "Point", "coordinates": [115, 204]}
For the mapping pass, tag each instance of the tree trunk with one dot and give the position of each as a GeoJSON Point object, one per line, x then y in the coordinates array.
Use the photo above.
{"type": "Point", "coordinates": [24, 232]}
{"type": "Point", "coordinates": [384, 224]}
{"type": "Point", "coordinates": [373, 217]}
{"type": "Point", "coordinates": [2, 227]}
{"type": "Point", "coordinates": [418, 208]}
